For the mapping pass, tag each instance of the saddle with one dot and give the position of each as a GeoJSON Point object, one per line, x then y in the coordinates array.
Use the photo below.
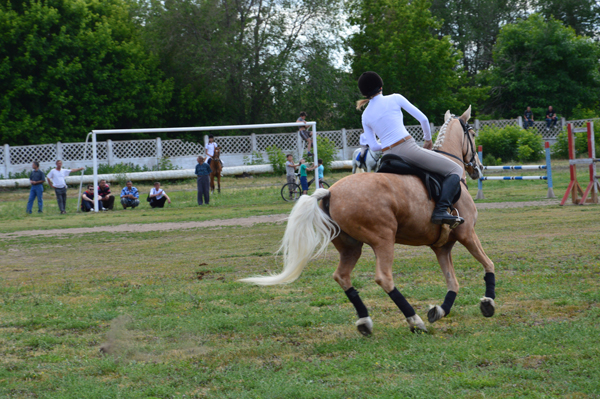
{"type": "Point", "coordinates": [391, 163]}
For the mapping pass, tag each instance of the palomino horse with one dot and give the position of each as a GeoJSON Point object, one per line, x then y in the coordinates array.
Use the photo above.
{"type": "Point", "coordinates": [216, 169]}
{"type": "Point", "coordinates": [370, 161]}
{"type": "Point", "coordinates": [380, 210]}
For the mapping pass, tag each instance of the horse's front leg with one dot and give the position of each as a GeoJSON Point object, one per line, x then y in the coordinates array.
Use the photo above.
{"type": "Point", "coordinates": [383, 276]}
{"type": "Point", "coordinates": [212, 183]}
{"type": "Point", "coordinates": [444, 257]}
{"type": "Point", "coordinates": [486, 304]}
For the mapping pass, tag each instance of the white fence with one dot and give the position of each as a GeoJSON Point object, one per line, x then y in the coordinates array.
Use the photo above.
{"type": "Point", "coordinates": [236, 150]}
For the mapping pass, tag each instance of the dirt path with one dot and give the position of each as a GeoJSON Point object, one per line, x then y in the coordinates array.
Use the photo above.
{"type": "Point", "coordinates": [141, 228]}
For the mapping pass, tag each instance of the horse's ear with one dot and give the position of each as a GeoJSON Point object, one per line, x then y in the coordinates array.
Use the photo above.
{"type": "Point", "coordinates": [467, 115]}
{"type": "Point", "coordinates": [447, 116]}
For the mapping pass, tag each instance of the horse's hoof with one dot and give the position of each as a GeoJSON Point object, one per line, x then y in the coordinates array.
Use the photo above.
{"type": "Point", "coordinates": [487, 306]}
{"type": "Point", "coordinates": [435, 313]}
{"type": "Point", "coordinates": [364, 326]}
{"type": "Point", "coordinates": [416, 324]}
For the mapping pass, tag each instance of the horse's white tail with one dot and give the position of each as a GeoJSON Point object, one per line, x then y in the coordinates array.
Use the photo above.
{"type": "Point", "coordinates": [308, 229]}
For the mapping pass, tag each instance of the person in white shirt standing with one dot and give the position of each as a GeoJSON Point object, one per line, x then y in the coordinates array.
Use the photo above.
{"type": "Point", "coordinates": [56, 180]}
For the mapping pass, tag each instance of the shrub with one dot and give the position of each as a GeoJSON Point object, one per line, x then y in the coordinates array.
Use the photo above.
{"type": "Point", "coordinates": [255, 158]}
{"type": "Point", "coordinates": [561, 148]}
{"type": "Point", "coordinates": [277, 159]}
{"type": "Point", "coordinates": [505, 143]}
{"type": "Point", "coordinates": [489, 160]}
{"type": "Point", "coordinates": [326, 150]}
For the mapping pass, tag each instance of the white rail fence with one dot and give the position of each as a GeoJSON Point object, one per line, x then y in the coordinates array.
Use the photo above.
{"type": "Point", "coordinates": [236, 150]}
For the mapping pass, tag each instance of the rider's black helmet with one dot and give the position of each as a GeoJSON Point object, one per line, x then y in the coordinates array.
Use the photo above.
{"type": "Point", "coordinates": [370, 83]}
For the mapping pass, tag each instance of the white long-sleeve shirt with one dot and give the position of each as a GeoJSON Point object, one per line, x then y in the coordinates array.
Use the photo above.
{"type": "Point", "coordinates": [383, 119]}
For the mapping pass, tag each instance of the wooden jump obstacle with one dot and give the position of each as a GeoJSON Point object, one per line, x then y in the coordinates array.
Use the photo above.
{"type": "Point", "coordinates": [547, 167]}
{"type": "Point", "coordinates": [574, 188]}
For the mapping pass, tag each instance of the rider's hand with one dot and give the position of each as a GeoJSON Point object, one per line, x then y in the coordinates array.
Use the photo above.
{"type": "Point", "coordinates": [428, 144]}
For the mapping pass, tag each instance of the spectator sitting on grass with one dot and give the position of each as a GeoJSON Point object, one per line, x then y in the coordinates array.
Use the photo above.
{"type": "Point", "coordinates": [130, 196]}
{"type": "Point", "coordinates": [105, 198]}
{"type": "Point", "coordinates": [158, 196]}
{"type": "Point", "coordinates": [87, 203]}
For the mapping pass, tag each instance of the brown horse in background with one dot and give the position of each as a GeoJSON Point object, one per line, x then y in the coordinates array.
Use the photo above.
{"type": "Point", "coordinates": [216, 169]}
{"type": "Point", "coordinates": [380, 210]}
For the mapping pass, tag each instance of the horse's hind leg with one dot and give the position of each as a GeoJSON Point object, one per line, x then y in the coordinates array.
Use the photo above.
{"type": "Point", "coordinates": [444, 257]}
{"type": "Point", "coordinates": [487, 304]}
{"type": "Point", "coordinates": [350, 251]}
{"type": "Point", "coordinates": [383, 277]}
{"type": "Point", "coordinates": [219, 181]}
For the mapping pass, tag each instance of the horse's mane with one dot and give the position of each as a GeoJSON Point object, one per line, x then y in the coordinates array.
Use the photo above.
{"type": "Point", "coordinates": [440, 138]}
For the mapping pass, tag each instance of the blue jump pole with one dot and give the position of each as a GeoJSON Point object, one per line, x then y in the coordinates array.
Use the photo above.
{"type": "Point", "coordinates": [479, 182]}
{"type": "Point", "coordinates": [549, 172]}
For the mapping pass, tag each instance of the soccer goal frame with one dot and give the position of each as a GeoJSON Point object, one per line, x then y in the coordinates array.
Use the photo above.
{"type": "Point", "coordinates": [95, 133]}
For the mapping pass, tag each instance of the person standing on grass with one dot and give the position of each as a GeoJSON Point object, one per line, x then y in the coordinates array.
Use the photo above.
{"type": "Point", "coordinates": [203, 171]}
{"type": "Point", "coordinates": [158, 196]}
{"type": "Point", "coordinates": [320, 171]}
{"type": "Point", "coordinates": [56, 180]}
{"type": "Point", "coordinates": [36, 178]}
{"type": "Point", "coordinates": [130, 196]}
{"type": "Point", "coordinates": [290, 171]}
{"type": "Point", "coordinates": [304, 176]}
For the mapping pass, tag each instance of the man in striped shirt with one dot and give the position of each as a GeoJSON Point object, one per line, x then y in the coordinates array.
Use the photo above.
{"type": "Point", "coordinates": [130, 196]}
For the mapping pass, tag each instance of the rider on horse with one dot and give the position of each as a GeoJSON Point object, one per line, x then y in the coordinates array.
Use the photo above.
{"type": "Point", "coordinates": [383, 119]}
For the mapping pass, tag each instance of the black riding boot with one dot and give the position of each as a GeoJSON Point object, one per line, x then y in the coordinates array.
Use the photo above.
{"type": "Point", "coordinates": [450, 188]}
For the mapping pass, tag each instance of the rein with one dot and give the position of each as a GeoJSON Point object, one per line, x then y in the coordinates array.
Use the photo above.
{"type": "Point", "coordinates": [466, 128]}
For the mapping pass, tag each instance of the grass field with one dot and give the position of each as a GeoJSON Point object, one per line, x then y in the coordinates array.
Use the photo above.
{"type": "Point", "coordinates": [160, 314]}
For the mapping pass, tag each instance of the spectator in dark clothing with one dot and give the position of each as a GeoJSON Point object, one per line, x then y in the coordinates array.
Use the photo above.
{"type": "Point", "coordinates": [551, 117]}
{"type": "Point", "coordinates": [203, 171]}
{"type": "Point", "coordinates": [528, 118]}
{"type": "Point", "coordinates": [36, 178]}
{"type": "Point", "coordinates": [87, 203]}
{"type": "Point", "coordinates": [106, 199]}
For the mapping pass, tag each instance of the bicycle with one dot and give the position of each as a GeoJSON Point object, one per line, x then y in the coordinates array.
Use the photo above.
{"type": "Point", "coordinates": [292, 191]}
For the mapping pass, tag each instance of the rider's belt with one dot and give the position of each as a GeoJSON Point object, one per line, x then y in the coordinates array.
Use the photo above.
{"type": "Point", "coordinates": [396, 143]}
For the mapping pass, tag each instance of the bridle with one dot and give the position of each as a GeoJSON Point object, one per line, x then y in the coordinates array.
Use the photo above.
{"type": "Point", "coordinates": [466, 129]}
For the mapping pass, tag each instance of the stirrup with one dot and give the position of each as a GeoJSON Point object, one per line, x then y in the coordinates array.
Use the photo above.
{"type": "Point", "coordinates": [453, 221]}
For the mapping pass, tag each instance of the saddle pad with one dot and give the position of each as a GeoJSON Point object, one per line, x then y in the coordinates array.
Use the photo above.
{"type": "Point", "coordinates": [391, 163]}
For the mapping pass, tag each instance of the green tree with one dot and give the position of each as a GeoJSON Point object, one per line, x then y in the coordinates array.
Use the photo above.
{"type": "Point", "coordinates": [69, 66]}
{"type": "Point", "coordinates": [244, 57]}
{"type": "Point", "coordinates": [395, 39]}
{"type": "Point", "coordinates": [581, 15]}
{"type": "Point", "coordinates": [541, 63]}
{"type": "Point", "coordinates": [473, 26]}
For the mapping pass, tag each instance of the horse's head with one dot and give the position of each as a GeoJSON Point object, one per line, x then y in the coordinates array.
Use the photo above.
{"type": "Point", "coordinates": [457, 138]}
{"type": "Point", "coordinates": [217, 153]}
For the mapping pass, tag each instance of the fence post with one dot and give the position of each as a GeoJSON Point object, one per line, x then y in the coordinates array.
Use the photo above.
{"type": "Point", "coordinates": [158, 152]}
{"type": "Point", "coordinates": [432, 130]}
{"type": "Point", "coordinates": [479, 181]}
{"type": "Point", "coordinates": [520, 122]}
{"type": "Point", "coordinates": [6, 161]}
{"type": "Point", "coordinates": [109, 152]}
{"type": "Point", "coordinates": [202, 151]}
{"type": "Point", "coordinates": [59, 152]}
{"type": "Point", "coordinates": [549, 172]}
{"type": "Point", "coordinates": [344, 144]}
{"type": "Point", "coordinates": [253, 143]}
{"type": "Point", "coordinates": [477, 125]}
{"type": "Point", "coordinates": [299, 146]}
{"type": "Point", "coordinates": [563, 123]}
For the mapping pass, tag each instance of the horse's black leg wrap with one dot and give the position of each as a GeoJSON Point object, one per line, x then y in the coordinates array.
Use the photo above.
{"type": "Point", "coordinates": [354, 298]}
{"type": "Point", "coordinates": [448, 302]}
{"type": "Point", "coordinates": [490, 285]}
{"type": "Point", "coordinates": [402, 303]}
